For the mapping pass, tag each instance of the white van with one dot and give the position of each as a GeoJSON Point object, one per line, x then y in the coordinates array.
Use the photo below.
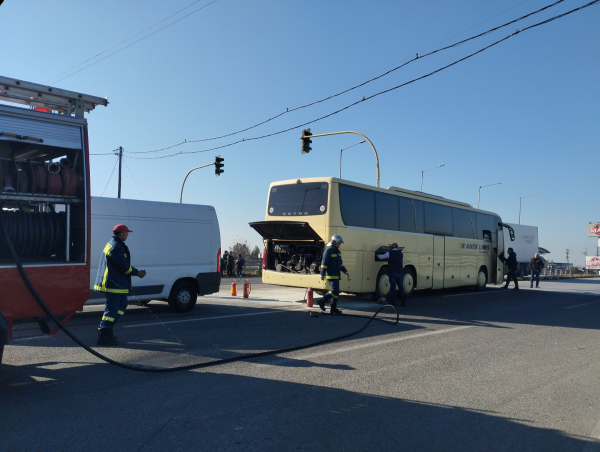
{"type": "Point", "coordinates": [179, 246]}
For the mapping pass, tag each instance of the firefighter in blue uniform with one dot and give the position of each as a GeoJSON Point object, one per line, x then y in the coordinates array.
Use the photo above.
{"type": "Point", "coordinates": [395, 273]}
{"type": "Point", "coordinates": [114, 279]}
{"type": "Point", "coordinates": [331, 267]}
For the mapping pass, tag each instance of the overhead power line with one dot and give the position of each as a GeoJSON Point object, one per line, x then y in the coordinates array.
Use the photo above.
{"type": "Point", "coordinates": [111, 175]}
{"type": "Point", "coordinates": [379, 93]}
{"type": "Point", "coordinates": [133, 43]}
{"type": "Point", "coordinates": [417, 57]}
{"type": "Point", "coordinates": [544, 22]}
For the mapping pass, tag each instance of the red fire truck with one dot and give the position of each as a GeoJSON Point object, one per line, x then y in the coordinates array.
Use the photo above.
{"type": "Point", "coordinates": [44, 201]}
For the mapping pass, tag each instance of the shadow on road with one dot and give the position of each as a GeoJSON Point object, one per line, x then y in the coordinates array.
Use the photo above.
{"type": "Point", "coordinates": [73, 409]}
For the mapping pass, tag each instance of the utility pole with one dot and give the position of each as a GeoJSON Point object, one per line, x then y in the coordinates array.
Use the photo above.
{"type": "Point", "coordinates": [120, 160]}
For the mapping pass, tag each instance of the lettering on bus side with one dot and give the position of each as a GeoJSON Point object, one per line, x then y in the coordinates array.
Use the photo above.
{"type": "Point", "coordinates": [483, 249]}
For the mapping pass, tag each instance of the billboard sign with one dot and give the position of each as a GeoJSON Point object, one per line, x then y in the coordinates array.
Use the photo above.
{"type": "Point", "coordinates": [593, 230]}
{"type": "Point", "coordinates": [592, 262]}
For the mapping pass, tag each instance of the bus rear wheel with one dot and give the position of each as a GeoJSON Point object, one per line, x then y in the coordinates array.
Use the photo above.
{"type": "Point", "coordinates": [409, 282]}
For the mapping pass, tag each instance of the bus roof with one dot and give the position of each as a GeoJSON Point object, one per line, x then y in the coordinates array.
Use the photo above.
{"type": "Point", "coordinates": [410, 193]}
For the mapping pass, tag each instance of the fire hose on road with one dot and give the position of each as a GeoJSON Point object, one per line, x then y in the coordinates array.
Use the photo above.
{"type": "Point", "coordinates": [217, 362]}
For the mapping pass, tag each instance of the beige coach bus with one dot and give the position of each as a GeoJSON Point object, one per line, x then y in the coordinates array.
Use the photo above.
{"type": "Point", "coordinates": [446, 243]}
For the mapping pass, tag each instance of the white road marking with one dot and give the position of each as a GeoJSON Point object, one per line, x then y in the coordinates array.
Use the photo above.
{"type": "Point", "coordinates": [380, 342]}
{"type": "Point", "coordinates": [582, 304]}
{"type": "Point", "coordinates": [204, 318]}
{"type": "Point", "coordinates": [28, 338]}
{"type": "Point", "coordinates": [473, 293]}
{"type": "Point", "coordinates": [593, 445]}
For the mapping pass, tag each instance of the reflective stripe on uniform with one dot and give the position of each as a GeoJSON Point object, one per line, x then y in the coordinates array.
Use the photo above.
{"type": "Point", "coordinates": [106, 289]}
{"type": "Point", "coordinates": [332, 294]}
{"type": "Point", "coordinates": [110, 319]}
{"type": "Point", "coordinates": [107, 249]}
{"type": "Point", "coordinates": [334, 255]}
{"type": "Point", "coordinates": [332, 277]}
{"type": "Point", "coordinates": [105, 276]}
{"type": "Point", "coordinates": [129, 271]}
{"type": "Point", "coordinates": [323, 266]}
{"type": "Point", "coordinates": [120, 312]}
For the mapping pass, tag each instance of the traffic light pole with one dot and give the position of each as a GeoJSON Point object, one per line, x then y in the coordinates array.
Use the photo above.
{"type": "Point", "coordinates": [357, 133]}
{"type": "Point", "coordinates": [193, 169]}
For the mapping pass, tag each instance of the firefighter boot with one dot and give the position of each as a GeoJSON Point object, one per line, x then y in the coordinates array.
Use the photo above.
{"type": "Point", "coordinates": [334, 310]}
{"type": "Point", "coordinates": [321, 303]}
{"type": "Point", "coordinates": [106, 337]}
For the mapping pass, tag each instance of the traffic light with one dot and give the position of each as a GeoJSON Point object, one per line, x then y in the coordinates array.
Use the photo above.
{"type": "Point", "coordinates": [306, 141]}
{"type": "Point", "coordinates": [219, 165]}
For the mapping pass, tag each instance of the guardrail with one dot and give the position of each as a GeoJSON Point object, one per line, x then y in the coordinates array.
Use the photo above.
{"type": "Point", "coordinates": [252, 267]}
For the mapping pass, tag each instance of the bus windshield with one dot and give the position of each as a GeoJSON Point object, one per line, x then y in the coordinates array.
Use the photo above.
{"type": "Point", "coordinates": [298, 199]}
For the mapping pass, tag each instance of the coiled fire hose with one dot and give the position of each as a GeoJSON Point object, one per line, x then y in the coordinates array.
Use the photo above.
{"type": "Point", "coordinates": [142, 368]}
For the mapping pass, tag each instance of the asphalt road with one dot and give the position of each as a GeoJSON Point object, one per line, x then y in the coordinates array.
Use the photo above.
{"type": "Point", "coordinates": [499, 370]}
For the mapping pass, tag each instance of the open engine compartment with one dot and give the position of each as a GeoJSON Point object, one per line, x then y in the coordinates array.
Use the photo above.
{"type": "Point", "coordinates": [294, 256]}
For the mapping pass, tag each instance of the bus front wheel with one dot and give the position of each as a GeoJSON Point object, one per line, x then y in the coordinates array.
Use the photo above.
{"type": "Point", "coordinates": [382, 286]}
{"type": "Point", "coordinates": [481, 279]}
{"type": "Point", "coordinates": [409, 282]}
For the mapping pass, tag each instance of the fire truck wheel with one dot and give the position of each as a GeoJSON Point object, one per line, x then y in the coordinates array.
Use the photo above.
{"type": "Point", "coordinates": [183, 297]}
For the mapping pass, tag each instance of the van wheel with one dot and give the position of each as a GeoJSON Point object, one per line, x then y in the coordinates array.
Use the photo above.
{"type": "Point", "coordinates": [481, 279]}
{"type": "Point", "coordinates": [183, 297]}
{"type": "Point", "coordinates": [382, 285]}
{"type": "Point", "coordinates": [409, 282]}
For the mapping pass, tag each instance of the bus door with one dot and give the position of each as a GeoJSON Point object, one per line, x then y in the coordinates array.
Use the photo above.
{"type": "Point", "coordinates": [499, 267]}
{"type": "Point", "coordinates": [438, 262]}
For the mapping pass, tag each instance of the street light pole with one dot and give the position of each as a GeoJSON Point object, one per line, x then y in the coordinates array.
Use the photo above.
{"type": "Point", "coordinates": [526, 196]}
{"type": "Point", "coordinates": [480, 187]}
{"type": "Point", "coordinates": [429, 169]}
{"type": "Point", "coordinates": [193, 169]}
{"type": "Point", "coordinates": [360, 142]}
{"type": "Point", "coordinates": [357, 133]}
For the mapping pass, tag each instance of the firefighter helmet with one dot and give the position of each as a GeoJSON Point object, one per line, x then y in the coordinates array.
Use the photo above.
{"type": "Point", "coordinates": [337, 239]}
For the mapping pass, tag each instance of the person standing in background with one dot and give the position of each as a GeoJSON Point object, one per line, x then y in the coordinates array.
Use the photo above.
{"type": "Point", "coordinates": [535, 265]}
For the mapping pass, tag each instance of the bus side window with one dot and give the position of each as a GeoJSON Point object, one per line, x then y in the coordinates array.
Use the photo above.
{"type": "Point", "coordinates": [407, 215]}
{"type": "Point", "coordinates": [438, 219]}
{"type": "Point", "coordinates": [474, 223]}
{"type": "Point", "coordinates": [484, 223]}
{"type": "Point", "coordinates": [487, 236]}
{"type": "Point", "coordinates": [462, 223]}
{"type": "Point", "coordinates": [386, 212]}
{"type": "Point", "coordinates": [357, 206]}
{"type": "Point", "coordinates": [419, 221]}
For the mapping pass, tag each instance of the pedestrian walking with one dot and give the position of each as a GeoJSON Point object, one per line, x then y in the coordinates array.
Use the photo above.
{"type": "Point", "coordinates": [535, 265]}
{"type": "Point", "coordinates": [395, 274]}
{"type": "Point", "coordinates": [331, 267]}
{"type": "Point", "coordinates": [224, 263]}
{"type": "Point", "coordinates": [240, 262]}
{"type": "Point", "coordinates": [511, 263]}
{"type": "Point", "coordinates": [230, 263]}
{"type": "Point", "coordinates": [114, 279]}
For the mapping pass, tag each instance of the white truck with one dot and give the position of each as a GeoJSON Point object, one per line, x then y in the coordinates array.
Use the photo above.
{"type": "Point", "coordinates": [526, 244]}
{"type": "Point", "coordinates": [179, 246]}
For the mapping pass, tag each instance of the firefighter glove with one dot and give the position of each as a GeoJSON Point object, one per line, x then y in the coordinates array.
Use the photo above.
{"type": "Point", "coordinates": [141, 273]}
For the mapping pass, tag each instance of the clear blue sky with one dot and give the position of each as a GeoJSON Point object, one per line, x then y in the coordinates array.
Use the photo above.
{"type": "Point", "coordinates": [525, 112]}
